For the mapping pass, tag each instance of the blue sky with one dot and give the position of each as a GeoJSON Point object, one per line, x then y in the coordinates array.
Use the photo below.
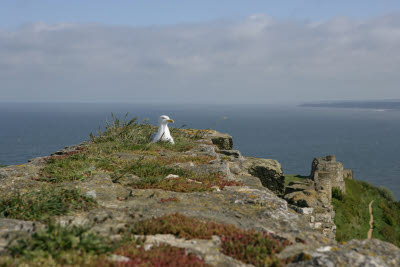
{"type": "Point", "coordinates": [161, 12]}
{"type": "Point", "coordinates": [199, 51]}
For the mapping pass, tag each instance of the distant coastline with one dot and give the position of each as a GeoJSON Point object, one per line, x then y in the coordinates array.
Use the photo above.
{"type": "Point", "coordinates": [376, 105]}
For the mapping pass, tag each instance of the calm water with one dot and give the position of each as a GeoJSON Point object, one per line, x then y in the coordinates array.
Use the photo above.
{"type": "Point", "coordinates": [366, 141]}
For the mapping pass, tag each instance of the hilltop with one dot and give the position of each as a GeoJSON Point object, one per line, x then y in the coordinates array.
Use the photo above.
{"type": "Point", "coordinates": [117, 200]}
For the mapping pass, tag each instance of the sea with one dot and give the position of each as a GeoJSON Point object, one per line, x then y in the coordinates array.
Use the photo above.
{"type": "Point", "coordinates": [366, 140]}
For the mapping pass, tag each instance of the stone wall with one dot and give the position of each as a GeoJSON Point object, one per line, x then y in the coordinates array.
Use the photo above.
{"type": "Point", "coordinates": [348, 174]}
{"type": "Point", "coordinates": [327, 173]}
{"type": "Point", "coordinates": [313, 195]}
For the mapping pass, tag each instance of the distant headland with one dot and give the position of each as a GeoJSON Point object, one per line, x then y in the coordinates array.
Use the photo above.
{"type": "Point", "coordinates": [370, 104]}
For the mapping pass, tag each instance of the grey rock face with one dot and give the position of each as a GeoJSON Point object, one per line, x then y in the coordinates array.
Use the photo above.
{"type": "Point", "coordinates": [232, 153]}
{"type": "Point", "coordinates": [10, 228]}
{"type": "Point", "coordinates": [316, 193]}
{"type": "Point", "coordinates": [360, 253]}
{"type": "Point", "coordinates": [269, 171]}
{"type": "Point", "coordinates": [102, 188]}
{"type": "Point", "coordinates": [303, 198]}
{"type": "Point", "coordinates": [222, 141]}
{"type": "Point", "coordinates": [307, 222]}
{"type": "Point", "coordinates": [348, 174]}
{"type": "Point", "coordinates": [327, 173]}
{"type": "Point", "coordinates": [209, 250]}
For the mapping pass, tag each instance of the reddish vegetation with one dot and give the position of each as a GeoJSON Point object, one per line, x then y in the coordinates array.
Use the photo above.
{"type": "Point", "coordinates": [245, 245]}
{"type": "Point", "coordinates": [170, 199]}
{"type": "Point", "coordinates": [162, 256]}
{"type": "Point", "coordinates": [181, 159]}
{"type": "Point", "coordinates": [67, 154]}
{"type": "Point", "coordinates": [195, 184]}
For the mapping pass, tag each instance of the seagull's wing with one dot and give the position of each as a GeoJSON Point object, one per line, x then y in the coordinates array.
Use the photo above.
{"type": "Point", "coordinates": [152, 137]}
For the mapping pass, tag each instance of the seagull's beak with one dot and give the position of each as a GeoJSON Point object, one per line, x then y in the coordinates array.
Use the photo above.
{"type": "Point", "coordinates": [171, 120]}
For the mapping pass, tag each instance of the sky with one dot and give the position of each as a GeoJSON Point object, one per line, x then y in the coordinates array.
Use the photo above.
{"type": "Point", "coordinates": [199, 51]}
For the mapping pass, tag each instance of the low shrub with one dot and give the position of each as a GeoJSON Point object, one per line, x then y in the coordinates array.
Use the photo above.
{"type": "Point", "coordinates": [337, 193]}
{"type": "Point", "coordinates": [248, 246]}
{"type": "Point", "coordinates": [386, 193]}
{"type": "Point", "coordinates": [56, 240]}
{"type": "Point", "coordinates": [165, 256]}
{"type": "Point", "coordinates": [43, 203]}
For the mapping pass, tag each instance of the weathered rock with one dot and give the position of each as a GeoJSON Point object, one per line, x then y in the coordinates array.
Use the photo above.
{"type": "Point", "coordinates": [202, 150]}
{"type": "Point", "coordinates": [348, 174]}
{"type": "Point", "coordinates": [133, 156]}
{"type": "Point", "coordinates": [21, 178]}
{"type": "Point", "coordinates": [307, 223]}
{"type": "Point", "coordinates": [128, 180]}
{"type": "Point", "coordinates": [327, 173]}
{"type": "Point", "coordinates": [69, 149]}
{"type": "Point", "coordinates": [305, 198]}
{"type": "Point", "coordinates": [101, 187]}
{"type": "Point", "coordinates": [10, 228]}
{"type": "Point", "coordinates": [222, 141]}
{"type": "Point", "coordinates": [209, 250]}
{"type": "Point", "coordinates": [360, 253]}
{"type": "Point", "coordinates": [214, 166]}
{"type": "Point", "coordinates": [269, 171]}
{"type": "Point", "coordinates": [294, 187]}
{"type": "Point", "coordinates": [232, 153]}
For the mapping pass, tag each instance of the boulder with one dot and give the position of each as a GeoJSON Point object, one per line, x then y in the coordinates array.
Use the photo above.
{"type": "Point", "coordinates": [368, 252]}
{"type": "Point", "coordinates": [101, 187]}
{"type": "Point", "coordinates": [348, 174]}
{"type": "Point", "coordinates": [10, 228]}
{"type": "Point", "coordinates": [269, 171]}
{"type": "Point", "coordinates": [306, 198]}
{"type": "Point", "coordinates": [222, 141]}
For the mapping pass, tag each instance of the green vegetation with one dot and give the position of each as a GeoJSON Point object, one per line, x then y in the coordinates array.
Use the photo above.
{"type": "Point", "coordinates": [352, 215]}
{"type": "Point", "coordinates": [60, 246]}
{"type": "Point", "coordinates": [140, 158]}
{"type": "Point", "coordinates": [337, 193]}
{"type": "Point", "coordinates": [245, 245]}
{"type": "Point", "coordinates": [56, 240]}
{"type": "Point", "coordinates": [78, 246]}
{"type": "Point", "coordinates": [43, 203]}
{"type": "Point", "coordinates": [2, 165]}
{"type": "Point", "coordinates": [294, 178]}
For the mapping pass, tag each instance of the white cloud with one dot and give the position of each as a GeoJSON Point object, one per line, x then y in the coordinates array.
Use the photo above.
{"type": "Point", "coordinates": [256, 59]}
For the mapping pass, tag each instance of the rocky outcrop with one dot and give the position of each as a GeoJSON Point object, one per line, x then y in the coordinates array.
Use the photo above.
{"type": "Point", "coordinates": [222, 141]}
{"type": "Point", "coordinates": [358, 253]}
{"type": "Point", "coordinates": [269, 172]}
{"type": "Point", "coordinates": [300, 213]}
{"type": "Point", "coordinates": [313, 195]}
{"type": "Point", "coordinates": [348, 174]}
{"type": "Point", "coordinates": [327, 173]}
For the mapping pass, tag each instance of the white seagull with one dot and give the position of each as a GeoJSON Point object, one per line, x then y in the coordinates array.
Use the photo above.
{"type": "Point", "coordinates": [163, 133]}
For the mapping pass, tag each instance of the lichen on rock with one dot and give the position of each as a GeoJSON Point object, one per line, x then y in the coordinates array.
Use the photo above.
{"type": "Point", "coordinates": [200, 177]}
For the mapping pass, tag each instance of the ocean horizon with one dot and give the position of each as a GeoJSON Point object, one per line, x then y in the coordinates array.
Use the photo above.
{"type": "Point", "coordinates": [364, 140]}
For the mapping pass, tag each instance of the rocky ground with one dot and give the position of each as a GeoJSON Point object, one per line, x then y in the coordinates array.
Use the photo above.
{"type": "Point", "coordinates": [205, 180]}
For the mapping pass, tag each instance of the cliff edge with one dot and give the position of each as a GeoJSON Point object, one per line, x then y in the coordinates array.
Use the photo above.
{"type": "Point", "coordinates": [199, 196]}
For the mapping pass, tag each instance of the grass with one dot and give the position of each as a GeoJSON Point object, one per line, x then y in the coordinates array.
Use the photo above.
{"type": "Point", "coordinates": [56, 240]}
{"type": "Point", "coordinates": [143, 159]}
{"type": "Point", "coordinates": [2, 165]}
{"type": "Point", "coordinates": [249, 246]}
{"type": "Point", "coordinates": [189, 182]}
{"type": "Point", "coordinates": [78, 246]}
{"type": "Point", "coordinates": [119, 136]}
{"type": "Point", "coordinates": [294, 178]}
{"type": "Point", "coordinates": [352, 215]}
{"type": "Point", "coordinates": [44, 203]}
